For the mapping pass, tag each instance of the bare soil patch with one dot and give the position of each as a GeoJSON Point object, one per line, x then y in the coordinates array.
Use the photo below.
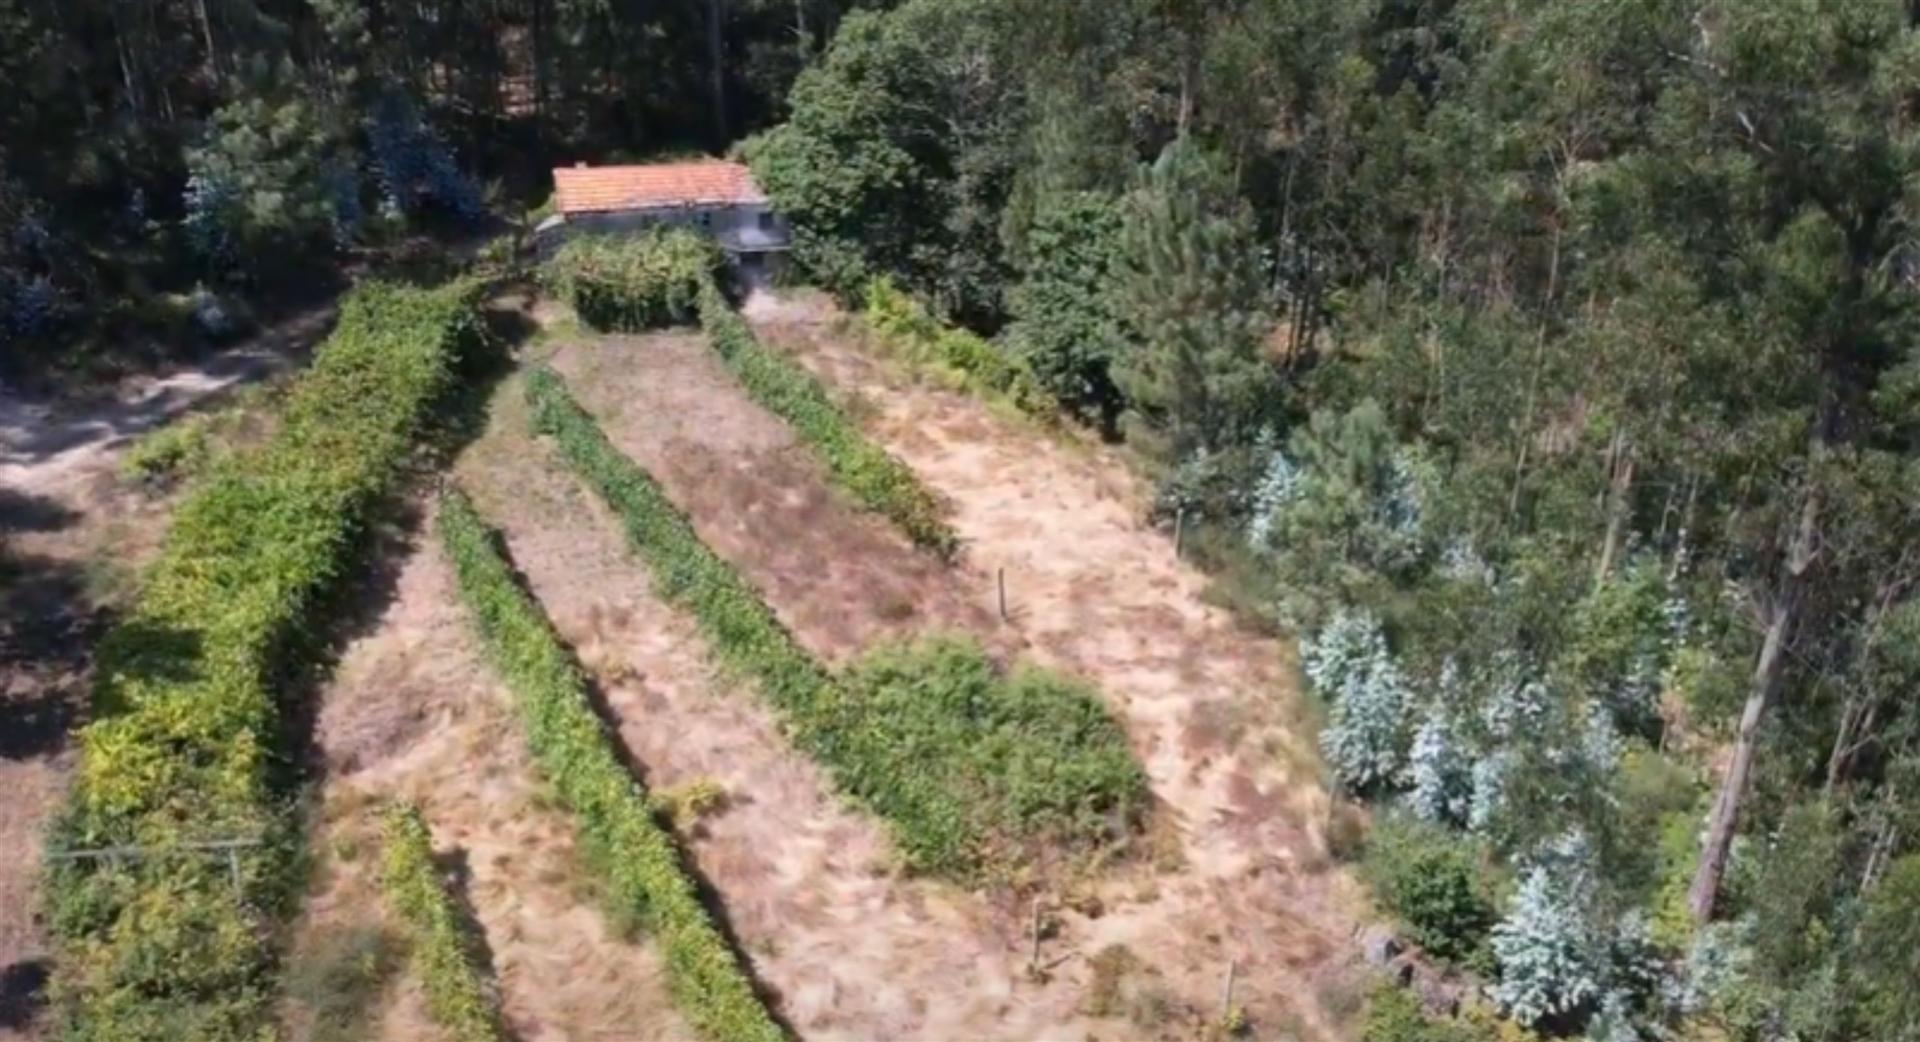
{"type": "Point", "coordinates": [841, 578]}
{"type": "Point", "coordinates": [850, 949]}
{"type": "Point", "coordinates": [411, 711]}
{"type": "Point", "coordinates": [1214, 711]}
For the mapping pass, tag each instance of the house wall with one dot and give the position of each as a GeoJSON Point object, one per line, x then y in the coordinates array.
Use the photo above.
{"type": "Point", "coordinates": [734, 226]}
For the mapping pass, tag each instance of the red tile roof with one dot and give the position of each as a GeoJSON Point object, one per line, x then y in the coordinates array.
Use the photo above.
{"type": "Point", "coordinates": [598, 189]}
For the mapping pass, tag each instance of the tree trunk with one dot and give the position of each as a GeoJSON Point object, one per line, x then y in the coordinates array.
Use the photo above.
{"type": "Point", "coordinates": [716, 57]}
{"type": "Point", "coordinates": [1619, 486]}
{"type": "Point", "coordinates": [1767, 670]}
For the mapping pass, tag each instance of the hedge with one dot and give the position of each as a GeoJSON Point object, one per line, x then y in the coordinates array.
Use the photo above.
{"type": "Point", "coordinates": [876, 479]}
{"type": "Point", "coordinates": [623, 841]}
{"type": "Point", "coordinates": [632, 283]}
{"type": "Point", "coordinates": [182, 745]}
{"type": "Point", "coordinates": [921, 765]}
{"type": "Point", "coordinates": [908, 330]}
{"type": "Point", "coordinates": [442, 946]}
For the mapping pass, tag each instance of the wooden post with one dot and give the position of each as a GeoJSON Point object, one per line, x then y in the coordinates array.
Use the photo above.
{"type": "Point", "coordinates": [233, 868]}
{"type": "Point", "coordinates": [1033, 961]}
{"type": "Point", "coordinates": [1226, 994]}
{"type": "Point", "coordinates": [1001, 575]}
{"type": "Point", "coordinates": [1179, 530]}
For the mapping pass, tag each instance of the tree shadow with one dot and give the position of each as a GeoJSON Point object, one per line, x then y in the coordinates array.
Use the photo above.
{"type": "Point", "coordinates": [23, 994]}
{"type": "Point", "coordinates": [456, 871]}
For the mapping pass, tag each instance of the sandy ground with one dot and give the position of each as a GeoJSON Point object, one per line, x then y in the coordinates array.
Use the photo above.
{"type": "Point", "coordinates": [1214, 712]}
{"type": "Point", "coordinates": [412, 712]}
{"type": "Point", "coordinates": [73, 538]}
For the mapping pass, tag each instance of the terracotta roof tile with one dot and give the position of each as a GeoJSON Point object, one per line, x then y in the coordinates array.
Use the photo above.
{"type": "Point", "coordinates": [597, 189]}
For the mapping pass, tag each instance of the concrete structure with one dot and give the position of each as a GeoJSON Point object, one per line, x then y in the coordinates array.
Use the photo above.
{"type": "Point", "coordinates": [710, 195]}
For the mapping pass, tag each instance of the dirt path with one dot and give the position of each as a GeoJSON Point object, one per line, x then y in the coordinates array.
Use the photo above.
{"type": "Point", "coordinates": [1213, 711]}
{"type": "Point", "coordinates": [73, 538]}
{"type": "Point", "coordinates": [851, 951]}
{"type": "Point", "coordinates": [412, 712]}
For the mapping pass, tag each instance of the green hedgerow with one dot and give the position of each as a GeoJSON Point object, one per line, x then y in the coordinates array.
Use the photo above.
{"type": "Point", "coordinates": [984, 369]}
{"type": "Point", "coordinates": [962, 762]}
{"type": "Point", "coordinates": [635, 857]}
{"type": "Point", "coordinates": [877, 480]}
{"type": "Point", "coordinates": [632, 283]}
{"type": "Point", "coordinates": [181, 747]}
{"type": "Point", "coordinates": [443, 948]}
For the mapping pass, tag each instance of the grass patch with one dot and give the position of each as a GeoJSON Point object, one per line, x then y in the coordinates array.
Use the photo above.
{"type": "Point", "coordinates": [186, 720]}
{"type": "Point", "coordinates": [961, 358]}
{"type": "Point", "coordinates": [635, 857]}
{"type": "Point", "coordinates": [876, 480]}
{"type": "Point", "coordinates": [443, 947]}
{"type": "Point", "coordinates": [335, 985]}
{"type": "Point", "coordinates": [964, 764]}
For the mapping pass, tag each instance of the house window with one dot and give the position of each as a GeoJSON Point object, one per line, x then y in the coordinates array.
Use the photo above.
{"type": "Point", "coordinates": [706, 219]}
{"type": "Point", "coordinates": [766, 221]}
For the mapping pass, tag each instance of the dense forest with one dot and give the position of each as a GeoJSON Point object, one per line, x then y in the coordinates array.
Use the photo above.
{"type": "Point", "coordinates": [1549, 369]}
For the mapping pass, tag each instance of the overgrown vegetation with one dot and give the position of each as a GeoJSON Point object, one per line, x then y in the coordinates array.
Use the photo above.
{"type": "Point", "coordinates": [876, 479]}
{"type": "Point", "coordinates": [335, 980]}
{"type": "Point", "coordinates": [635, 857]}
{"type": "Point", "coordinates": [965, 765]}
{"type": "Point", "coordinates": [632, 283]}
{"type": "Point", "coordinates": [444, 950]}
{"type": "Point", "coordinates": [973, 362]}
{"type": "Point", "coordinates": [184, 744]}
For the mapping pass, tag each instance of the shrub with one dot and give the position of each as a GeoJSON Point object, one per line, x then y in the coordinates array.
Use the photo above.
{"type": "Point", "coordinates": [177, 450]}
{"type": "Point", "coordinates": [335, 980]}
{"type": "Point", "coordinates": [908, 330]}
{"type": "Point", "coordinates": [965, 755]}
{"type": "Point", "coordinates": [635, 857]}
{"type": "Point", "coordinates": [1553, 959]}
{"type": "Point", "coordinates": [901, 742]}
{"type": "Point", "coordinates": [180, 749]}
{"type": "Point", "coordinates": [1395, 1015]}
{"type": "Point", "coordinates": [443, 949]}
{"type": "Point", "coordinates": [632, 283]}
{"type": "Point", "coordinates": [876, 479]}
{"type": "Point", "coordinates": [1432, 881]}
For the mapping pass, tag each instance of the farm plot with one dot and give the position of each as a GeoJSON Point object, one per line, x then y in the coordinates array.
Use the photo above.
{"type": "Point", "coordinates": [852, 949]}
{"type": "Point", "coordinates": [1210, 707]}
{"type": "Point", "coordinates": [412, 712]}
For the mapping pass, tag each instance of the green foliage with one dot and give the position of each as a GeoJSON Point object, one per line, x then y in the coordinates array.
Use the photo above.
{"type": "Point", "coordinates": [186, 720]}
{"type": "Point", "coordinates": [259, 183]}
{"type": "Point", "coordinates": [961, 755]}
{"type": "Point", "coordinates": [1190, 290]}
{"type": "Point", "coordinates": [1395, 1015]}
{"type": "Point", "coordinates": [908, 330]}
{"type": "Point", "coordinates": [1888, 954]}
{"type": "Point", "coordinates": [877, 480]}
{"type": "Point", "coordinates": [632, 283]}
{"type": "Point", "coordinates": [177, 450]}
{"type": "Point", "coordinates": [444, 951]}
{"type": "Point", "coordinates": [1436, 883]}
{"type": "Point", "coordinates": [633, 854]}
{"type": "Point", "coordinates": [896, 156]}
{"type": "Point", "coordinates": [334, 982]}
{"type": "Point", "coordinates": [963, 764]}
{"type": "Point", "coordinates": [1066, 315]}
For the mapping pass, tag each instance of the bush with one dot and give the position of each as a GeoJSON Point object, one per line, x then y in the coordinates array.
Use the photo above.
{"type": "Point", "coordinates": [906, 329]}
{"type": "Point", "coordinates": [632, 283]}
{"type": "Point", "coordinates": [876, 479]}
{"type": "Point", "coordinates": [179, 449]}
{"type": "Point", "coordinates": [1433, 882]}
{"type": "Point", "coordinates": [922, 765]}
{"type": "Point", "coordinates": [443, 949]}
{"type": "Point", "coordinates": [334, 982]}
{"type": "Point", "coordinates": [624, 843]}
{"type": "Point", "coordinates": [1394, 1015]}
{"type": "Point", "coordinates": [971, 759]}
{"type": "Point", "coordinates": [186, 717]}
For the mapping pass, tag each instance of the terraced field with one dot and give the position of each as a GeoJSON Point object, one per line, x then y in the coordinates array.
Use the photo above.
{"type": "Point", "coordinates": [707, 590]}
